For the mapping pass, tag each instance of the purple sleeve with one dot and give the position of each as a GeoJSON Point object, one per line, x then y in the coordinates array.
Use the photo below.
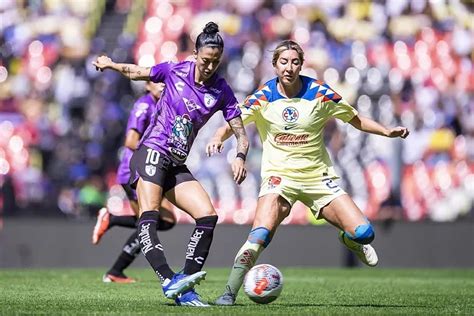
{"type": "Point", "coordinates": [230, 107]}
{"type": "Point", "coordinates": [139, 117]}
{"type": "Point", "coordinates": [159, 72]}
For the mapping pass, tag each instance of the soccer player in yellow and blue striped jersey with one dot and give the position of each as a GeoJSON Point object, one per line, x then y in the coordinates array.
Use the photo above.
{"type": "Point", "coordinates": [290, 112]}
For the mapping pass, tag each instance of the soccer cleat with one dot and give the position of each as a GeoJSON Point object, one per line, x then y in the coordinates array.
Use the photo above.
{"type": "Point", "coordinates": [226, 299]}
{"type": "Point", "coordinates": [110, 278]}
{"type": "Point", "coordinates": [366, 253]}
{"type": "Point", "coordinates": [103, 220]}
{"type": "Point", "coordinates": [190, 298]}
{"type": "Point", "coordinates": [180, 283]}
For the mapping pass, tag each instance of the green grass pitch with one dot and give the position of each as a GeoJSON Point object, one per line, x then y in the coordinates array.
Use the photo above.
{"type": "Point", "coordinates": [306, 291]}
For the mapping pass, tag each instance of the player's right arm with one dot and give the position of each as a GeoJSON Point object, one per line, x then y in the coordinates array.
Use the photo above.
{"type": "Point", "coordinates": [131, 71]}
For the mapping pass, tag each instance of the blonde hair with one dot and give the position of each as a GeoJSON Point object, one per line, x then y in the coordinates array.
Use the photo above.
{"type": "Point", "coordinates": [287, 45]}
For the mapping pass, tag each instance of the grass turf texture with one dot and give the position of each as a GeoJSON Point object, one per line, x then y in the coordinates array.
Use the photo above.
{"type": "Point", "coordinates": [305, 291]}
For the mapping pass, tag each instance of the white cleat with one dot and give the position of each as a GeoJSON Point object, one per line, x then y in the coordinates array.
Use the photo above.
{"type": "Point", "coordinates": [366, 253]}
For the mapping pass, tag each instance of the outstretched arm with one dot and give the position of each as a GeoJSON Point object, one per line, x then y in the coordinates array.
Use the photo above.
{"type": "Point", "coordinates": [130, 71]}
{"type": "Point", "coordinates": [370, 126]}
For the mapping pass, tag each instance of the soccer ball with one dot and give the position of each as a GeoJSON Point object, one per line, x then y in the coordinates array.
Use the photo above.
{"type": "Point", "coordinates": [263, 283]}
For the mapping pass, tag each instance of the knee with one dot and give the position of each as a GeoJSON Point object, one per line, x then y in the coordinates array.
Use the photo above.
{"type": "Point", "coordinates": [260, 235]}
{"type": "Point", "coordinates": [364, 234]}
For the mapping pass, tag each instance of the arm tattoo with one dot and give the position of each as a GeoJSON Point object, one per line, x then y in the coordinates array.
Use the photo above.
{"type": "Point", "coordinates": [125, 70]}
{"type": "Point", "coordinates": [239, 131]}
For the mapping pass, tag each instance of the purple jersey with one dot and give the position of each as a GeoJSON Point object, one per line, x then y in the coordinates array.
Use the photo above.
{"type": "Point", "coordinates": [139, 119]}
{"type": "Point", "coordinates": [184, 107]}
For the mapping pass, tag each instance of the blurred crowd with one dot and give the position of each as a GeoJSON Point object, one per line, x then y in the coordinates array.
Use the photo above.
{"type": "Point", "coordinates": [400, 62]}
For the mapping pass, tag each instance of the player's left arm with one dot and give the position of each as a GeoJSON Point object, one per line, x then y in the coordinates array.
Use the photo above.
{"type": "Point", "coordinates": [368, 125]}
{"type": "Point", "coordinates": [132, 139]}
{"type": "Point", "coordinates": [238, 165]}
{"type": "Point", "coordinates": [237, 126]}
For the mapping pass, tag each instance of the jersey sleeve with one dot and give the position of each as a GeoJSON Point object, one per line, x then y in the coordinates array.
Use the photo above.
{"type": "Point", "coordinates": [159, 72]}
{"type": "Point", "coordinates": [250, 109]}
{"type": "Point", "coordinates": [230, 107]}
{"type": "Point", "coordinates": [337, 107]}
{"type": "Point", "coordinates": [139, 117]}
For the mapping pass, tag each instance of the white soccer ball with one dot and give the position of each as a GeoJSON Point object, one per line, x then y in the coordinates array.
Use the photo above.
{"type": "Point", "coordinates": [263, 283]}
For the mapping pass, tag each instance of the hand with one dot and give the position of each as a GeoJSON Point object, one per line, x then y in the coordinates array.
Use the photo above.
{"type": "Point", "coordinates": [215, 146]}
{"type": "Point", "coordinates": [239, 170]}
{"type": "Point", "coordinates": [398, 131]}
{"type": "Point", "coordinates": [102, 62]}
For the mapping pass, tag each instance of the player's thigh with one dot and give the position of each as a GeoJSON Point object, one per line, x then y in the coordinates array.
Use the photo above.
{"type": "Point", "coordinates": [191, 197]}
{"type": "Point", "coordinates": [343, 213]}
{"type": "Point", "coordinates": [149, 195]}
{"type": "Point", "coordinates": [272, 209]}
{"type": "Point", "coordinates": [166, 210]}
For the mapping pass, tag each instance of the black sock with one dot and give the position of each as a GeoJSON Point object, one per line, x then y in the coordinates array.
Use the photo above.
{"type": "Point", "coordinates": [129, 252]}
{"type": "Point", "coordinates": [124, 221]}
{"type": "Point", "coordinates": [150, 245]}
{"type": "Point", "coordinates": [164, 225]}
{"type": "Point", "coordinates": [199, 244]}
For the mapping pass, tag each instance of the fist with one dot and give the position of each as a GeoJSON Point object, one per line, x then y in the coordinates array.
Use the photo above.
{"type": "Point", "coordinates": [102, 62]}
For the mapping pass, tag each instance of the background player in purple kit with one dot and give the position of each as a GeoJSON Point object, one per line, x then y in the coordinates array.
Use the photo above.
{"type": "Point", "coordinates": [194, 92]}
{"type": "Point", "coordinates": [138, 120]}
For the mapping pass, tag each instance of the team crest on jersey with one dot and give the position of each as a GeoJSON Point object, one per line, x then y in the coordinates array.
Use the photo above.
{"type": "Point", "coordinates": [150, 170]}
{"type": "Point", "coordinates": [290, 114]}
{"type": "Point", "coordinates": [209, 100]}
{"type": "Point", "coordinates": [190, 105]}
{"type": "Point", "coordinates": [273, 182]}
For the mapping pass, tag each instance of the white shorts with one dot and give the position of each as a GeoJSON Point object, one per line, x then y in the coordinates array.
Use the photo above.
{"type": "Point", "coordinates": [315, 194]}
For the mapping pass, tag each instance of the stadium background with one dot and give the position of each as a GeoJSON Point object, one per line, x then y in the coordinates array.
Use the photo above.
{"type": "Point", "coordinates": [399, 62]}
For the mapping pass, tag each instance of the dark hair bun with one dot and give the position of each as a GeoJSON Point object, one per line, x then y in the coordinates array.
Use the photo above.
{"type": "Point", "coordinates": [211, 28]}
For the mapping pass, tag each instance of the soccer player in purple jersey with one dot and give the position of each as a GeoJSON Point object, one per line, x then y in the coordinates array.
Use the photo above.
{"type": "Point", "coordinates": [138, 120]}
{"type": "Point", "coordinates": [290, 112]}
{"type": "Point", "coordinates": [194, 92]}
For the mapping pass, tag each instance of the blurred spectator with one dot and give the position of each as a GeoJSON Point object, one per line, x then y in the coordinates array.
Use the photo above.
{"type": "Point", "coordinates": [408, 61]}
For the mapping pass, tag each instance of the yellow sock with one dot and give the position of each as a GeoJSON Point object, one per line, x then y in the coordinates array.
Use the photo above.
{"type": "Point", "coordinates": [244, 261]}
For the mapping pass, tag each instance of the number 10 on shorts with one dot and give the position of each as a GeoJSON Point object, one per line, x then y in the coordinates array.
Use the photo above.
{"type": "Point", "coordinates": [152, 156]}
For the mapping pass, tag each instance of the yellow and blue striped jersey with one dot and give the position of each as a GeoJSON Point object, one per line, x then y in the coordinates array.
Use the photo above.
{"type": "Point", "coordinates": [291, 129]}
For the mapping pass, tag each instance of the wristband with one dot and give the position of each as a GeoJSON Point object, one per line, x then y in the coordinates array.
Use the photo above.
{"type": "Point", "coordinates": [241, 156]}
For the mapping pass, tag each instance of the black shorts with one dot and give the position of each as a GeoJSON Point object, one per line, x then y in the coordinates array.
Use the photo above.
{"type": "Point", "coordinates": [152, 166]}
{"type": "Point", "coordinates": [131, 194]}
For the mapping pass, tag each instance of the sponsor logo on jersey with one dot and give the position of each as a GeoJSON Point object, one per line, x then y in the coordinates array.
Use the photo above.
{"type": "Point", "coordinates": [287, 139]}
{"type": "Point", "coordinates": [179, 85]}
{"type": "Point", "coordinates": [150, 170]}
{"type": "Point", "coordinates": [209, 100]}
{"type": "Point", "coordinates": [181, 130]}
{"type": "Point", "coordinates": [178, 154]}
{"type": "Point", "coordinates": [273, 182]}
{"type": "Point", "coordinates": [287, 127]}
{"type": "Point", "coordinates": [290, 114]}
{"type": "Point", "coordinates": [191, 105]}
{"type": "Point", "coordinates": [195, 238]}
{"type": "Point", "coordinates": [180, 73]}
{"type": "Point", "coordinates": [217, 91]}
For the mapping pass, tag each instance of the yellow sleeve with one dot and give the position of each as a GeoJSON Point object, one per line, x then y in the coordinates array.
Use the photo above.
{"type": "Point", "coordinates": [341, 110]}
